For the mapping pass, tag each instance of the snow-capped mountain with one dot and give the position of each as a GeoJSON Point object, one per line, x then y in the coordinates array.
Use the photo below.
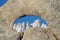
{"type": "Point", "coordinates": [21, 27]}
{"type": "Point", "coordinates": [36, 23]}
{"type": "Point", "coordinates": [43, 26]}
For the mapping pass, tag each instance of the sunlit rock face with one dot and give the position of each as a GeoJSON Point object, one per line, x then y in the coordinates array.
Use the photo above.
{"type": "Point", "coordinates": [25, 22]}
{"type": "Point", "coordinates": [38, 34]}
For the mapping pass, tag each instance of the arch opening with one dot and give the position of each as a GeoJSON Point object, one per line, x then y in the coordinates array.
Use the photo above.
{"type": "Point", "coordinates": [27, 21]}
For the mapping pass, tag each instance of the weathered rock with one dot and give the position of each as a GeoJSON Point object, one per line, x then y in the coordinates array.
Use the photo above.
{"type": "Point", "coordinates": [38, 34]}
{"type": "Point", "coordinates": [13, 9]}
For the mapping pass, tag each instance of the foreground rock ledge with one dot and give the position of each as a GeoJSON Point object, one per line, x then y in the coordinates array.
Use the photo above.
{"type": "Point", "coordinates": [38, 34]}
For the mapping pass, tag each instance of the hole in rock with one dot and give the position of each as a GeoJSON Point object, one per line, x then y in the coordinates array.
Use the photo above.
{"type": "Point", "coordinates": [27, 21]}
{"type": "Point", "coordinates": [2, 2]}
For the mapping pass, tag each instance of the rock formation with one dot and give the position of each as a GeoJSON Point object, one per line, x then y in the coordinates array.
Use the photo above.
{"type": "Point", "coordinates": [46, 9]}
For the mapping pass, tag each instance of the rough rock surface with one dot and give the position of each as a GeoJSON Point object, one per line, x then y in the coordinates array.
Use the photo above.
{"type": "Point", "coordinates": [38, 34]}
{"type": "Point", "coordinates": [47, 9]}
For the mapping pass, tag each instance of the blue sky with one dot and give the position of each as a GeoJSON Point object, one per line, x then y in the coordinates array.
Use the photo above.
{"type": "Point", "coordinates": [30, 19]}
{"type": "Point", "coordinates": [2, 2]}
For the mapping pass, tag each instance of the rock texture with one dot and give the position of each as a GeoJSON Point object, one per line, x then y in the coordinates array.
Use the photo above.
{"type": "Point", "coordinates": [47, 9]}
{"type": "Point", "coordinates": [38, 34]}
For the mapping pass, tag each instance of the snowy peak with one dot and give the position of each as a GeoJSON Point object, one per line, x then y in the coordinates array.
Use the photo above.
{"type": "Point", "coordinates": [36, 23]}
{"type": "Point", "coordinates": [21, 27]}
